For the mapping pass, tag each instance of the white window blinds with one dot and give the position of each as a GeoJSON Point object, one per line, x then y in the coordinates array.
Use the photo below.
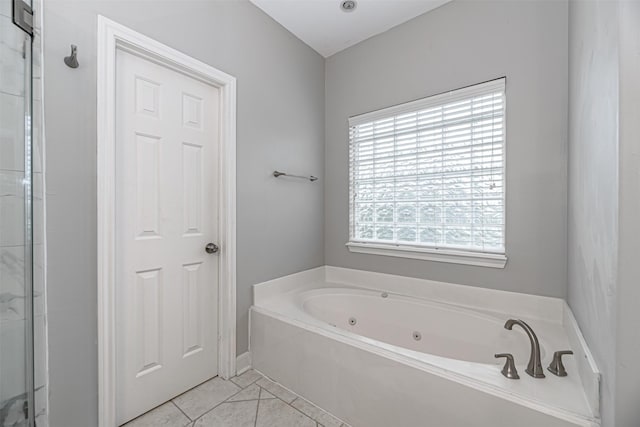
{"type": "Point", "coordinates": [430, 173]}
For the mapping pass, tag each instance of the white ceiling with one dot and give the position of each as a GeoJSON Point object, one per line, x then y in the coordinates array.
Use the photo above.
{"type": "Point", "coordinates": [326, 28]}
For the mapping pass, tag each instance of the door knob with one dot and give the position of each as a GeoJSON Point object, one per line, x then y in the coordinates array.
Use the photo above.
{"type": "Point", "coordinates": [211, 248]}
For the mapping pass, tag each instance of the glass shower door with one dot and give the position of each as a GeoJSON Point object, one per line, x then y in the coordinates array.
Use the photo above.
{"type": "Point", "coordinates": [16, 251]}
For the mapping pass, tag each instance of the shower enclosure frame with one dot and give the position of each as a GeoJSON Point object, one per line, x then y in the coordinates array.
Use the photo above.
{"type": "Point", "coordinates": [17, 182]}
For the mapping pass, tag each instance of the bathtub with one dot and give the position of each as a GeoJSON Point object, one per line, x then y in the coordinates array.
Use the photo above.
{"type": "Point", "coordinates": [381, 350]}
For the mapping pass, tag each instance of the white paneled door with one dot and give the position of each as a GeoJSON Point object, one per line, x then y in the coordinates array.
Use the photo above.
{"type": "Point", "coordinates": [167, 144]}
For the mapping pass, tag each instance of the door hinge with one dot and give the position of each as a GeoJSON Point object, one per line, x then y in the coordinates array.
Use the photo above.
{"type": "Point", "coordinates": [23, 16]}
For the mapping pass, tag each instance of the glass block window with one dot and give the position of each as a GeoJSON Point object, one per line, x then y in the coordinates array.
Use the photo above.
{"type": "Point", "coordinates": [430, 173]}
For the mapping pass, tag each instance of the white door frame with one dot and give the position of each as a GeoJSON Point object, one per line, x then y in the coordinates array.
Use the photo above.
{"type": "Point", "coordinates": [111, 37]}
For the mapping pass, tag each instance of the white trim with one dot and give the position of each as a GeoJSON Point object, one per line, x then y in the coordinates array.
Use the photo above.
{"type": "Point", "coordinates": [481, 259]}
{"type": "Point", "coordinates": [243, 363]}
{"type": "Point", "coordinates": [113, 36]}
{"type": "Point", "coordinates": [429, 101]}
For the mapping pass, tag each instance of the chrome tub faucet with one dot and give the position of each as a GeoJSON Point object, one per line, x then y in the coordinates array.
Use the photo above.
{"type": "Point", "coordinates": [534, 367]}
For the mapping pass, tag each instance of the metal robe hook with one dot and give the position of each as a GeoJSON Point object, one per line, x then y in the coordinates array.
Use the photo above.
{"type": "Point", "coordinates": [72, 60]}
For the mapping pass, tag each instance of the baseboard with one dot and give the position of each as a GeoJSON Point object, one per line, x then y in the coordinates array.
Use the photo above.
{"type": "Point", "coordinates": [243, 363]}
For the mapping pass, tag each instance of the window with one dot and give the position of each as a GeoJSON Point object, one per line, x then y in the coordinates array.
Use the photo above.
{"type": "Point", "coordinates": [427, 178]}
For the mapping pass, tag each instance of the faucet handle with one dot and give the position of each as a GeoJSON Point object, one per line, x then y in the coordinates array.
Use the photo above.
{"type": "Point", "coordinates": [509, 369]}
{"type": "Point", "coordinates": [557, 367]}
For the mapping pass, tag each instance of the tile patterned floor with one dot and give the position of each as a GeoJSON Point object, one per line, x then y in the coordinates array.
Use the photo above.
{"type": "Point", "coordinates": [248, 400]}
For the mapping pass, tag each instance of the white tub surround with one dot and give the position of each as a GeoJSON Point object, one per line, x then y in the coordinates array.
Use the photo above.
{"type": "Point", "coordinates": [346, 339]}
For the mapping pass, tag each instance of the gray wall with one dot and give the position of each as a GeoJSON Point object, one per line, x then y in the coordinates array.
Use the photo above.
{"type": "Point", "coordinates": [280, 126]}
{"type": "Point", "coordinates": [593, 182]}
{"type": "Point", "coordinates": [459, 44]}
{"type": "Point", "coordinates": [628, 319]}
{"type": "Point", "coordinates": [604, 196]}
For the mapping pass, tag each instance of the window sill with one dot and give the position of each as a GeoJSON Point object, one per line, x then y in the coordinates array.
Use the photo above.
{"type": "Point", "coordinates": [426, 254]}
